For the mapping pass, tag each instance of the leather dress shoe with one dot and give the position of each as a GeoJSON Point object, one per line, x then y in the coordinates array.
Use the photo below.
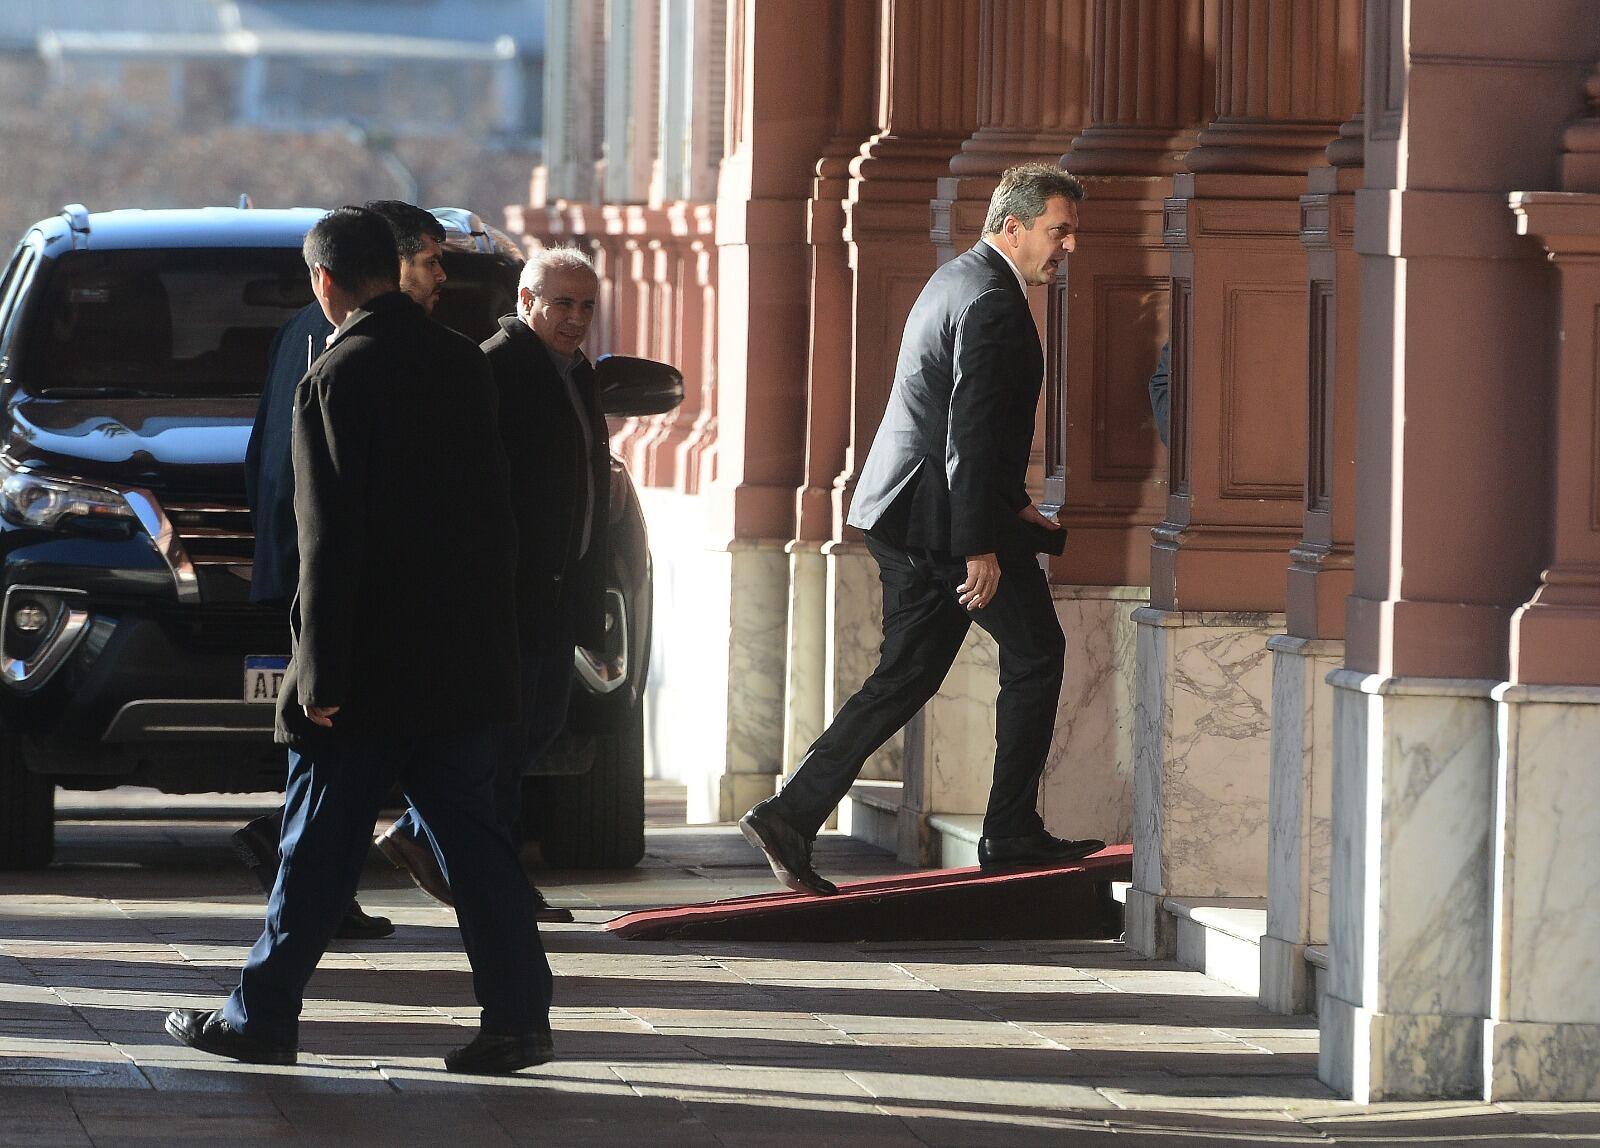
{"type": "Point", "coordinates": [1033, 849]}
{"type": "Point", "coordinates": [206, 1030]}
{"type": "Point", "coordinates": [359, 925]}
{"type": "Point", "coordinates": [257, 847]}
{"type": "Point", "coordinates": [544, 911]}
{"type": "Point", "coordinates": [419, 862]}
{"type": "Point", "coordinates": [787, 851]}
{"type": "Point", "coordinates": [492, 1052]}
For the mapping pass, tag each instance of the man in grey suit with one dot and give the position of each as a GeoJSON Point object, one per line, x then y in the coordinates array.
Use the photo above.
{"type": "Point", "coordinates": [942, 498]}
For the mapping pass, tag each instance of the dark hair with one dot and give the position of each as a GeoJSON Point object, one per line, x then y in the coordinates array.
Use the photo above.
{"type": "Point", "coordinates": [409, 224]}
{"type": "Point", "coordinates": [355, 247]}
{"type": "Point", "coordinates": [1025, 189]}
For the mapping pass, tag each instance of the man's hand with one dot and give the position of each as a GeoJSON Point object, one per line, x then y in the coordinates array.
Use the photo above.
{"type": "Point", "coordinates": [321, 715]}
{"type": "Point", "coordinates": [1032, 514]}
{"type": "Point", "coordinates": [983, 579]}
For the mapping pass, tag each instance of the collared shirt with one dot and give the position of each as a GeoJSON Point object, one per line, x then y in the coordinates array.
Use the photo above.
{"type": "Point", "coordinates": [1021, 282]}
{"type": "Point", "coordinates": [565, 366]}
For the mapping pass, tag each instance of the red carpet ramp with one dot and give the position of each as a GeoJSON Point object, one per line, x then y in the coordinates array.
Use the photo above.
{"type": "Point", "coordinates": [1071, 901]}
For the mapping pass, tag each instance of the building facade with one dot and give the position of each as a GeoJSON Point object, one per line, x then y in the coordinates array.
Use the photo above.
{"type": "Point", "coordinates": [1330, 663]}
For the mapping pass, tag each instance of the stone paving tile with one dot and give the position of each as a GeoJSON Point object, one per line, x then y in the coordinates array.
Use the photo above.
{"type": "Point", "coordinates": [705, 1045]}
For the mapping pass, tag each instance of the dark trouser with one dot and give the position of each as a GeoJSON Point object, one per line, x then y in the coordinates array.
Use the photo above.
{"type": "Point", "coordinates": [546, 692]}
{"type": "Point", "coordinates": [331, 804]}
{"type": "Point", "coordinates": [923, 625]}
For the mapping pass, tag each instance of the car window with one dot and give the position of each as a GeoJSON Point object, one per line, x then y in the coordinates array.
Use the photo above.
{"type": "Point", "coordinates": [198, 322]}
{"type": "Point", "coordinates": [182, 322]}
{"type": "Point", "coordinates": [17, 273]}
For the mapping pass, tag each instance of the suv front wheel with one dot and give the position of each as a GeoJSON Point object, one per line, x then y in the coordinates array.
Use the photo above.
{"type": "Point", "coordinates": [594, 819]}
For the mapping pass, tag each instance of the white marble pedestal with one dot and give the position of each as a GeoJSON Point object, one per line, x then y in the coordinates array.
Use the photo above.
{"type": "Point", "coordinates": [1408, 954]}
{"type": "Point", "coordinates": [1542, 1038]}
{"type": "Point", "coordinates": [806, 665]}
{"type": "Point", "coordinates": [1300, 827]}
{"type": "Point", "coordinates": [1202, 724]}
{"type": "Point", "coordinates": [853, 631]}
{"type": "Point", "coordinates": [714, 713]}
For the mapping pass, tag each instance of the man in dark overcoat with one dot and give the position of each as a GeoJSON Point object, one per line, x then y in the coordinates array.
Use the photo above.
{"type": "Point", "coordinates": [399, 542]}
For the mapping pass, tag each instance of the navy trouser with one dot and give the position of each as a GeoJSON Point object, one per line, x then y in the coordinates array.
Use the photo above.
{"type": "Point", "coordinates": [331, 803]}
{"type": "Point", "coordinates": [546, 691]}
{"type": "Point", "coordinates": [923, 626]}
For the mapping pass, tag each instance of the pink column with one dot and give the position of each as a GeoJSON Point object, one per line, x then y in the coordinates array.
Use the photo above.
{"type": "Point", "coordinates": [1154, 87]}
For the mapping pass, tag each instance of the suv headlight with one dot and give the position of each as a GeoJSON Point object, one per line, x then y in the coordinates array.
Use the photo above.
{"type": "Point", "coordinates": [28, 498]}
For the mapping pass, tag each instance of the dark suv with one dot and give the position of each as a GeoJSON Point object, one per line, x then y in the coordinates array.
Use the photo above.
{"type": "Point", "coordinates": [133, 348]}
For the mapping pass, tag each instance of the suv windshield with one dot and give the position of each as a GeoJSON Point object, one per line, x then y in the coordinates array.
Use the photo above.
{"type": "Point", "coordinates": [197, 322]}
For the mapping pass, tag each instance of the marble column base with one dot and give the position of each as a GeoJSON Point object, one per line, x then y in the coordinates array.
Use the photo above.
{"type": "Point", "coordinates": [1087, 790]}
{"type": "Point", "coordinates": [1371, 1056]}
{"type": "Point", "coordinates": [1202, 722]}
{"type": "Point", "coordinates": [1148, 929]}
{"type": "Point", "coordinates": [853, 631]}
{"type": "Point", "coordinates": [1300, 825]}
{"type": "Point", "coordinates": [714, 709]}
{"type": "Point", "coordinates": [1286, 981]}
{"type": "Point", "coordinates": [1530, 1061]}
{"type": "Point", "coordinates": [806, 665]}
{"type": "Point", "coordinates": [1408, 915]}
{"type": "Point", "coordinates": [1542, 1041]}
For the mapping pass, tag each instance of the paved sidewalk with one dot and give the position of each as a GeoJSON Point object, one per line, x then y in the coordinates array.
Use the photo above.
{"type": "Point", "coordinates": [963, 1045]}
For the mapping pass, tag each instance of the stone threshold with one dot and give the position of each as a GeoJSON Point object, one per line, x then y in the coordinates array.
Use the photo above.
{"type": "Point", "coordinates": [1221, 937]}
{"type": "Point", "coordinates": [871, 813]}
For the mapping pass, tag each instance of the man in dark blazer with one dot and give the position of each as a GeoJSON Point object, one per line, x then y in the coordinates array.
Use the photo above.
{"type": "Point", "coordinates": [399, 540]}
{"type": "Point", "coordinates": [556, 441]}
{"type": "Point", "coordinates": [942, 498]}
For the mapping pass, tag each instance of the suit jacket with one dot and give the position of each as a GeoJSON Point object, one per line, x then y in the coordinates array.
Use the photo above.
{"type": "Point", "coordinates": [268, 467]}
{"type": "Point", "coordinates": [404, 615]}
{"type": "Point", "coordinates": [560, 592]}
{"type": "Point", "coordinates": [948, 469]}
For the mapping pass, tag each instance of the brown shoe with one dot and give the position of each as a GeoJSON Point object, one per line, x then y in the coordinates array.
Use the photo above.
{"type": "Point", "coordinates": [419, 862]}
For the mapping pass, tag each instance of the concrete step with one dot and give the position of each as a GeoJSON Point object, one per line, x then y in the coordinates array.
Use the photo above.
{"type": "Point", "coordinates": [870, 812]}
{"type": "Point", "coordinates": [1221, 937]}
{"type": "Point", "coordinates": [1317, 958]}
{"type": "Point", "coordinates": [956, 838]}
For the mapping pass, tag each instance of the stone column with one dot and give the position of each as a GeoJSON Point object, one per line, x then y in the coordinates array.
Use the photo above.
{"type": "Point", "coordinates": [1321, 573]}
{"type": "Point", "coordinates": [925, 107]}
{"type": "Point", "coordinates": [1287, 76]}
{"type": "Point", "coordinates": [574, 78]}
{"type": "Point", "coordinates": [729, 591]}
{"type": "Point", "coordinates": [1458, 316]}
{"type": "Point", "coordinates": [630, 119]}
{"type": "Point", "coordinates": [1542, 1036]}
{"type": "Point", "coordinates": [822, 672]}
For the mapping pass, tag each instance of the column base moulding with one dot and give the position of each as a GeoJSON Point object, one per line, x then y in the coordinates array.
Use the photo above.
{"type": "Point", "coordinates": [1300, 822]}
{"type": "Point", "coordinates": [1202, 720]}
{"type": "Point", "coordinates": [1371, 1057]}
{"type": "Point", "coordinates": [1525, 1060]}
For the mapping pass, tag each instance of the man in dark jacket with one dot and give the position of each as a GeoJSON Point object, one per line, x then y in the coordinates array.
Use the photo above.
{"type": "Point", "coordinates": [556, 441]}
{"type": "Point", "coordinates": [269, 486]}
{"type": "Point", "coordinates": [944, 502]}
{"type": "Point", "coordinates": [378, 690]}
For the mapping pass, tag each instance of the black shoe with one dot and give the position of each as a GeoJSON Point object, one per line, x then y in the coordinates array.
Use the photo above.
{"type": "Point", "coordinates": [1035, 849]}
{"type": "Point", "coordinates": [207, 1031]}
{"type": "Point", "coordinates": [257, 846]}
{"type": "Point", "coordinates": [419, 862]}
{"type": "Point", "coordinates": [547, 913]}
{"type": "Point", "coordinates": [360, 926]}
{"type": "Point", "coordinates": [491, 1053]}
{"type": "Point", "coordinates": [787, 851]}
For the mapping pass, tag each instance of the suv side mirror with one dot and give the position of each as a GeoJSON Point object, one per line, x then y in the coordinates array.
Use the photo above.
{"type": "Point", "coordinates": [631, 386]}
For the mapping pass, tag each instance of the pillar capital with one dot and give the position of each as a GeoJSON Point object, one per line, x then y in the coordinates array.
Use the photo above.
{"type": "Point", "coordinates": [1287, 75]}
{"type": "Point", "coordinates": [1580, 143]}
{"type": "Point", "coordinates": [1154, 84]}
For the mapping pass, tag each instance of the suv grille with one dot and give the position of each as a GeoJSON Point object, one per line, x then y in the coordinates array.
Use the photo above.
{"type": "Point", "coordinates": [213, 532]}
{"type": "Point", "coordinates": [218, 629]}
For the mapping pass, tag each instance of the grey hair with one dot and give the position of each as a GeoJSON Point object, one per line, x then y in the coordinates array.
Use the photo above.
{"type": "Point", "coordinates": [552, 259]}
{"type": "Point", "coordinates": [1023, 192]}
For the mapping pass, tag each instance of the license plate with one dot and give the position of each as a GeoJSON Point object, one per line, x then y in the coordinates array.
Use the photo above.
{"type": "Point", "coordinates": [263, 675]}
